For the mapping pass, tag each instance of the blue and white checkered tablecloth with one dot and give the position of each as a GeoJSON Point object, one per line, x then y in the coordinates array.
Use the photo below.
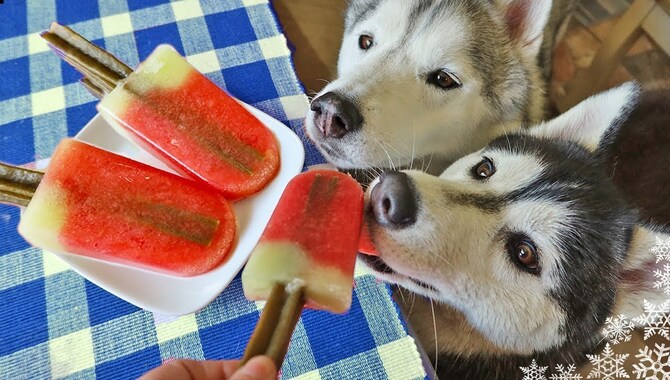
{"type": "Point", "coordinates": [56, 324]}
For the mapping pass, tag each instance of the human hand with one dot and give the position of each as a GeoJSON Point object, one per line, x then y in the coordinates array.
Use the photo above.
{"type": "Point", "coordinates": [258, 368]}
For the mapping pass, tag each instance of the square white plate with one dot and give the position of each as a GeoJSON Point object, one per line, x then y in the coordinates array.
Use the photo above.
{"type": "Point", "coordinates": [171, 295]}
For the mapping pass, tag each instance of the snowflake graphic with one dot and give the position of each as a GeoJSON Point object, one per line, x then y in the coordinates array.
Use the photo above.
{"type": "Point", "coordinates": [608, 366]}
{"type": "Point", "coordinates": [663, 277]}
{"type": "Point", "coordinates": [655, 320]}
{"type": "Point", "coordinates": [534, 372]}
{"type": "Point", "coordinates": [568, 373]}
{"type": "Point", "coordinates": [618, 329]}
{"type": "Point", "coordinates": [661, 249]}
{"type": "Point", "coordinates": [653, 364]}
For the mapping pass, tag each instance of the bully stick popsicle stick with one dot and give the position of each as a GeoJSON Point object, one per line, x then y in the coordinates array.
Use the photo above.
{"type": "Point", "coordinates": [305, 257]}
{"type": "Point", "coordinates": [174, 112]}
{"type": "Point", "coordinates": [95, 203]}
{"type": "Point", "coordinates": [17, 185]}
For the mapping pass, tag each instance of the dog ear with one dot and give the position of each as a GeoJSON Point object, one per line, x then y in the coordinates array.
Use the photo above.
{"type": "Point", "coordinates": [648, 254]}
{"type": "Point", "coordinates": [592, 121]}
{"type": "Point", "coordinates": [525, 21]}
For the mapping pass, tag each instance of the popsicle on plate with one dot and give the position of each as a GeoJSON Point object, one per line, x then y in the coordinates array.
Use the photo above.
{"type": "Point", "coordinates": [173, 111]}
{"type": "Point", "coordinates": [305, 257]}
{"type": "Point", "coordinates": [98, 204]}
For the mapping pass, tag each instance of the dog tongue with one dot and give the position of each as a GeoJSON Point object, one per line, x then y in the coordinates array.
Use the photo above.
{"type": "Point", "coordinates": [365, 244]}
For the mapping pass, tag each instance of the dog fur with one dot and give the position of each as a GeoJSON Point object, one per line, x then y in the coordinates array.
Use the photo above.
{"type": "Point", "coordinates": [479, 313]}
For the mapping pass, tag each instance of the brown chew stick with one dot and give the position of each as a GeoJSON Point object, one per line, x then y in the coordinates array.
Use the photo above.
{"type": "Point", "coordinates": [17, 185]}
{"type": "Point", "coordinates": [102, 71]}
{"type": "Point", "coordinates": [99, 74]}
{"type": "Point", "coordinates": [94, 51]}
{"type": "Point", "coordinates": [275, 327]}
{"type": "Point", "coordinates": [92, 88]}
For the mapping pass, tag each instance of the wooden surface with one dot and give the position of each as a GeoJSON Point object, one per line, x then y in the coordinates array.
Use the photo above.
{"type": "Point", "coordinates": [609, 55]}
{"type": "Point", "coordinates": [315, 28]}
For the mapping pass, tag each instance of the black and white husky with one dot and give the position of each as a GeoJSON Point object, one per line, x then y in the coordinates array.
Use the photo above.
{"type": "Point", "coordinates": [521, 250]}
{"type": "Point", "coordinates": [430, 80]}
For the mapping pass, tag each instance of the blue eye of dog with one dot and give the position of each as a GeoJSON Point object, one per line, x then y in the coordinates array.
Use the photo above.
{"type": "Point", "coordinates": [524, 254]}
{"type": "Point", "coordinates": [365, 42]}
{"type": "Point", "coordinates": [484, 169]}
{"type": "Point", "coordinates": [443, 80]}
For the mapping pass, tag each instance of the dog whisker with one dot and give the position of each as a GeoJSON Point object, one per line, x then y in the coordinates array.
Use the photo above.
{"type": "Point", "coordinates": [437, 351]}
{"type": "Point", "coordinates": [390, 161]}
{"type": "Point", "coordinates": [411, 161]}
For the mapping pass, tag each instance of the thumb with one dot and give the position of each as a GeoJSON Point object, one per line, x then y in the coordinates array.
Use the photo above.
{"type": "Point", "coordinates": [258, 368]}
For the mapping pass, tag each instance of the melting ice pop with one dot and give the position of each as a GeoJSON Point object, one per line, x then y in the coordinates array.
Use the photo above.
{"type": "Point", "coordinates": [173, 111]}
{"type": "Point", "coordinates": [365, 244]}
{"type": "Point", "coordinates": [95, 203]}
{"type": "Point", "coordinates": [305, 257]}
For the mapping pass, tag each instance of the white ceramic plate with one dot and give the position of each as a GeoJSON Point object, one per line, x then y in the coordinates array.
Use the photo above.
{"type": "Point", "coordinates": [171, 295]}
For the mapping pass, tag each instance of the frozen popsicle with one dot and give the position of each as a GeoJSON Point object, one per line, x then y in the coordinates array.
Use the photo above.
{"type": "Point", "coordinates": [305, 257]}
{"type": "Point", "coordinates": [365, 244]}
{"type": "Point", "coordinates": [173, 111]}
{"type": "Point", "coordinates": [98, 204]}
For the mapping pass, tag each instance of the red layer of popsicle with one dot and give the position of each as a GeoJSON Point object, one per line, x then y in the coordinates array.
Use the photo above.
{"type": "Point", "coordinates": [95, 203]}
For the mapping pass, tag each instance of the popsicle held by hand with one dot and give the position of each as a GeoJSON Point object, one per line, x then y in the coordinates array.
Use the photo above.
{"type": "Point", "coordinates": [174, 112]}
{"type": "Point", "coordinates": [95, 203]}
{"type": "Point", "coordinates": [305, 257]}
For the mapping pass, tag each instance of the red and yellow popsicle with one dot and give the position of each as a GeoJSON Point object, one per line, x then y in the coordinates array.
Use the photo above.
{"type": "Point", "coordinates": [98, 204]}
{"type": "Point", "coordinates": [305, 257]}
{"type": "Point", "coordinates": [174, 112]}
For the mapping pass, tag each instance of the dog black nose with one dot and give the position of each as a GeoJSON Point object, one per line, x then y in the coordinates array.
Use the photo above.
{"type": "Point", "coordinates": [393, 200]}
{"type": "Point", "coordinates": [336, 115]}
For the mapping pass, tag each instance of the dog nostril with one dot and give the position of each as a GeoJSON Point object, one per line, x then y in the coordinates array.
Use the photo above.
{"type": "Point", "coordinates": [315, 107]}
{"type": "Point", "coordinates": [340, 122]}
{"type": "Point", "coordinates": [336, 115]}
{"type": "Point", "coordinates": [386, 205]}
{"type": "Point", "coordinates": [394, 202]}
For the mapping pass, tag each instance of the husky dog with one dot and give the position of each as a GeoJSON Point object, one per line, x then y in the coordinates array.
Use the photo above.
{"type": "Point", "coordinates": [419, 79]}
{"type": "Point", "coordinates": [521, 250]}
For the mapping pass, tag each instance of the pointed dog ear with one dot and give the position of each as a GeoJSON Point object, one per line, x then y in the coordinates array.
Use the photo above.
{"type": "Point", "coordinates": [590, 122]}
{"type": "Point", "coordinates": [525, 21]}
{"type": "Point", "coordinates": [648, 254]}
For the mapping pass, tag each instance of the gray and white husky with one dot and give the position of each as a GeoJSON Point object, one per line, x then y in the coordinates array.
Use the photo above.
{"type": "Point", "coordinates": [424, 79]}
{"type": "Point", "coordinates": [521, 250]}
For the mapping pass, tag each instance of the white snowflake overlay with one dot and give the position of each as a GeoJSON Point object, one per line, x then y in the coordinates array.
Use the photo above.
{"type": "Point", "coordinates": [663, 276]}
{"type": "Point", "coordinates": [655, 319]}
{"type": "Point", "coordinates": [618, 329]}
{"type": "Point", "coordinates": [534, 372]}
{"type": "Point", "coordinates": [563, 373]}
{"type": "Point", "coordinates": [608, 365]}
{"type": "Point", "coordinates": [653, 364]}
{"type": "Point", "coordinates": [661, 249]}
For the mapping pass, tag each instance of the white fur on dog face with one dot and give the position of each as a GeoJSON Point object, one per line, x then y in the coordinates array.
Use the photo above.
{"type": "Point", "coordinates": [404, 117]}
{"type": "Point", "coordinates": [459, 250]}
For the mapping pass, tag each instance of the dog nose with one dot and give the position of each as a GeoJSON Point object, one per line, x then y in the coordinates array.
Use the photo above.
{"type": "Point", "coordinates": [393, 200]}
{"type": "Point", "coordinates": [336, 115]}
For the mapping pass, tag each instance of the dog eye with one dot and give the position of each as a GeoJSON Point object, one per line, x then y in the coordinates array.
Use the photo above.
{"type": "Point", "coordinates": [443, 79]}
{"type": "Point", "coordinates": [365, 42]}
{"type": "Point", "coordinates": [524, 253]}
{"type": "Point", "coordinates": [483, 170]}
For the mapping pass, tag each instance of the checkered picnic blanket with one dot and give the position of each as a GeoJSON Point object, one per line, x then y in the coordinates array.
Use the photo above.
{"type": "Point", "coordinates": [56, 324]}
